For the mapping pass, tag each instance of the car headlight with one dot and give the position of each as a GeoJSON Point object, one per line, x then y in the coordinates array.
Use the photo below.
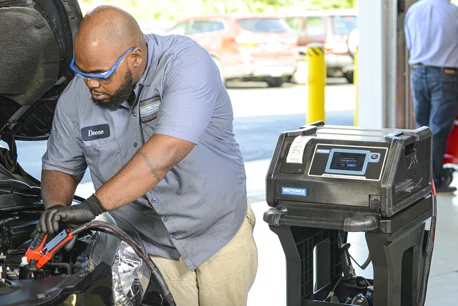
{"type": "Point", "coordinates": [127, 276]}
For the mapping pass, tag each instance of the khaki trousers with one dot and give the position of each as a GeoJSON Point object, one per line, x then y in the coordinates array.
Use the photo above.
{"type": "Point", "coordinates": [223, 280]}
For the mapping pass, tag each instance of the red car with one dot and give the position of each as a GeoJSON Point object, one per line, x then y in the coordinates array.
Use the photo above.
{"type": "Point", "coordinates": [332, 29]}
{"type": "Point", "coordinates": [245, 47]}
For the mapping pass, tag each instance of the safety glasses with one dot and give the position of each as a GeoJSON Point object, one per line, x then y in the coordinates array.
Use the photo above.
{"type": "Point", "coordinates": [106, 77]}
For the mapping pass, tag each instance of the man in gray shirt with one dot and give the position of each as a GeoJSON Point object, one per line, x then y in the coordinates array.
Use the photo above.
{"type": "Point", "coordinates": [150, 117]}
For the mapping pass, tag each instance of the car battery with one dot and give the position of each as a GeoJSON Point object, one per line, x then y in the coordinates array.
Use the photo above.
{"type": "Point", "coordinates": [326, 181]}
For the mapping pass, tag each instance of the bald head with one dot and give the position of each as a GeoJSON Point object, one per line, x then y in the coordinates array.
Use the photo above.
{"type": "Point", "coordinates": [106, 36]}
{"type": "Point", "coordinates": [108, 29]}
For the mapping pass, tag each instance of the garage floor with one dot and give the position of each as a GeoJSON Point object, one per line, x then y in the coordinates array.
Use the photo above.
{"type": "Point", "coordinates": [270, 285]}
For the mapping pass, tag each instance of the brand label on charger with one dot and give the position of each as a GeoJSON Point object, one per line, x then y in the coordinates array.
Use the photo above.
{"type": "Point", "coordinates": [294, 191]}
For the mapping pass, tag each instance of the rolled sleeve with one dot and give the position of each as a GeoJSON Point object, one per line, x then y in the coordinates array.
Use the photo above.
{"type": "Point", "coordinates": [64, 152]}
{"type": "Point", "coordinates": [191, 91]}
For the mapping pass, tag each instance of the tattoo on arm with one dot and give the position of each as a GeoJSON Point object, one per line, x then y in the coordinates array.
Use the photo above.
{"type": "Point", "coordinates": [150, 166]}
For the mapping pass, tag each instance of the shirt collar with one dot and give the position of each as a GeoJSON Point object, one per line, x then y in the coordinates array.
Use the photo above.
{"type": "Point", "coordinates": [149, 54]}
{"type": "Point", "coordinates": [141, 82]}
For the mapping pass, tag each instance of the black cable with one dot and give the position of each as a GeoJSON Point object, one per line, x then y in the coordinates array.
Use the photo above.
{"type": "Point", "coordinates": [364, 265]}
{"type": "Point", "coordinates": [117, 232]}
{"type": "Point", "coordinates": [337, 283]}
{"type": "Point", "coordinates": [63, 265]}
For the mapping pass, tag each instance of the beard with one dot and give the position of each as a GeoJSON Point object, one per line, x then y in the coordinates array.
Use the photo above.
{"type": "Point", "coordinates": [126, 92]}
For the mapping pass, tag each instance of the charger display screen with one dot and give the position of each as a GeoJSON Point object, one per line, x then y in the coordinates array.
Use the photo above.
{"type": "Point", "coordinates": [347, 161]}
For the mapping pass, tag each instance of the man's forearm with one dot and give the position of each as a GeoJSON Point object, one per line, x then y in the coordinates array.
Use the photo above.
{"type": "Point", "coordinates": [144, 171]}
{"type": "Point", "coordinates": [58, 188]}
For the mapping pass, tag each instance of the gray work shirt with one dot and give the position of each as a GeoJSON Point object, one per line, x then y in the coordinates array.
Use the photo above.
{"type": "Point", "coordinates": [201, 203]}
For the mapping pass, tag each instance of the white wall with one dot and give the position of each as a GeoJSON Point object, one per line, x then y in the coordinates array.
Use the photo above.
{"type": "Point", "coordinates": [371, 94]}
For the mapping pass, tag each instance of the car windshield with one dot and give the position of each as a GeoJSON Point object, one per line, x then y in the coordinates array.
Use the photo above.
{"type": "Point", "coordinates": [264, 25]}
{"type": "Point", "coordinates": [344, 24]}
{"type": "Point", "coordinates": [314, 26]}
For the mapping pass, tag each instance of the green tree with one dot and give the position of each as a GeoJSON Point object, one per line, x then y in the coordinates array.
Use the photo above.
{"type": "Point", "coordinates": [332, 4]}
{"type": "Point", "coordinates": [149, 10]}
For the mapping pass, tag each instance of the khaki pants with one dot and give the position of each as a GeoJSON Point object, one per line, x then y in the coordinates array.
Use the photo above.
{"type": "Point", "coordinates": [223, 280]}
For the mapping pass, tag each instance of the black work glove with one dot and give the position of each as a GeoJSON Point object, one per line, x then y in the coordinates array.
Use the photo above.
{"type": "Point", "coordinates": [69, 245]}
{"type": "Point", "coordinates": [47, 211]}
{"type": "Point", "coordinates": [52, 218]}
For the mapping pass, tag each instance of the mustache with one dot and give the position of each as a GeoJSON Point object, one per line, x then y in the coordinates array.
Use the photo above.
{"type": "Point", "coordinates": [98, 92]}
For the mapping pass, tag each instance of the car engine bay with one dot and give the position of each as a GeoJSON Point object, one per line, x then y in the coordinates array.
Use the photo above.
{"type": "Point", "coordinates": [104, 256]}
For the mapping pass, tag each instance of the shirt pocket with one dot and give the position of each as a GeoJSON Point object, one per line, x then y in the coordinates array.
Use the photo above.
{"type": "Point", "coordinates": [103, 158]}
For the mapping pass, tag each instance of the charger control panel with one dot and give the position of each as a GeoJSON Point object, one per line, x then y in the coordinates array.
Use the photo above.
{"type": "Point", "coordinates": [348, 162]}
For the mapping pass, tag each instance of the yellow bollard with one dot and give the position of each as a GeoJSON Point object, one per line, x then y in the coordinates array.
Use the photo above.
{"type": "Point", "coordinates": [316, 82]}
{"type": "Point", "coordinates": [355, 81]}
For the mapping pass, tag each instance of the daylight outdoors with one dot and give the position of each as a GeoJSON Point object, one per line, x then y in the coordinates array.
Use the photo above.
{"type": "Point", "coordinates": [151, 10]}
{"type": "Point", "coordinates": [262, 49]}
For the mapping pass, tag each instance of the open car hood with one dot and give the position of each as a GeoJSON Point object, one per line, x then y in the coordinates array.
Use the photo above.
{"type": "Point", "coordinates": [37, 48]}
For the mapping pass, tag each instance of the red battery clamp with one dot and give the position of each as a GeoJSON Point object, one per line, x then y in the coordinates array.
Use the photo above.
{"type": "Point", "coordinates": [42, 252]}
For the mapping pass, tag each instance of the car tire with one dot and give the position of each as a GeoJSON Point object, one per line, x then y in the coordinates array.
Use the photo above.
{"type": "Point", "coordinates": [275, 82]}
{"type": "Point", "coordinates": [349, 76]}
{"type": "Point", "coordinates": [221, 70]}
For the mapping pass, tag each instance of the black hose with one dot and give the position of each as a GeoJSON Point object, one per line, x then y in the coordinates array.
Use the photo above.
{"type": "Point", "coordinates": [62, 265]}
{"type": "Point", "coordinates": [117, 232]}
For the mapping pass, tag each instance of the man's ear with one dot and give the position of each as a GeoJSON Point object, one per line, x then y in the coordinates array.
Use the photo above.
{"type": "Point", "coordinates": [138, 57]}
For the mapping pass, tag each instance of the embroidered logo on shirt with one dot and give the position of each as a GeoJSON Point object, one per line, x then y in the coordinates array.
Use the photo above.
{"type": "Point", "coordinates": [95, 132]}
{"type": "Point", "coordinates": [149, 109]}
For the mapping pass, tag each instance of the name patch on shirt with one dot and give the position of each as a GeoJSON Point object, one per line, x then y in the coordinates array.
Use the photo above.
{"type": "Point", "coordinates": [149, 109]}
{"type": "Point", "coordinates": [95, 132]}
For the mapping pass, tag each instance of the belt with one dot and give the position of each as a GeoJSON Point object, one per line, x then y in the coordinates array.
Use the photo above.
{"type": "Point", "coordinates": [447, 70]}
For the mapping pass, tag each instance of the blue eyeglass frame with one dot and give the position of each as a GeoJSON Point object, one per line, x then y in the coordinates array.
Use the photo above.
{"type": "Point", "coordinates": [104, 75]}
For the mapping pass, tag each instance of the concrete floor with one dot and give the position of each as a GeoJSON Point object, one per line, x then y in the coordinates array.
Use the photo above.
{"type": "Point", "coordinates": [270, 285]}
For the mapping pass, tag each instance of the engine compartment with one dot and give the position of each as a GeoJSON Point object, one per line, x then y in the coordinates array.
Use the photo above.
{"type": "Point", "coordinates": [63, 275]}
{"type": "Point", "coordinates": [16, 228]}
{"type": "Point", "coordinates": [20, 209]}
{"type": "Point", "coordinates": [99, 268]}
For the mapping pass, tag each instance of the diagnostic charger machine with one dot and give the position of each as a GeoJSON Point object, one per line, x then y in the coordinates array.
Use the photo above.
{"type": "Point", "coordinates": [326, 181]}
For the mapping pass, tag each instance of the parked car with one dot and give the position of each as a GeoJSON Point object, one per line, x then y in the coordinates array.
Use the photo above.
{"type": "Point", "coordinates": [245, 47]}
{"type": "Point", "coordinates": [332, 29]}
{"type": "Point", "coordinates": [156, 27]}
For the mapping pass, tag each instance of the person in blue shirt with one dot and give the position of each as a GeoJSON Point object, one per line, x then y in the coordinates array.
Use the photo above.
{"type": "Point", "coordinates": [151, 119]}
{"type": "Point", "coordinates": [431, 30]}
